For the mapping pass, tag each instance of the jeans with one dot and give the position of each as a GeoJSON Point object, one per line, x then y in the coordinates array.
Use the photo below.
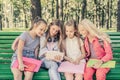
{"type": "Point", "coordinates": [26, 53]}
{"type": "Point", "coordinates": [52, 67]}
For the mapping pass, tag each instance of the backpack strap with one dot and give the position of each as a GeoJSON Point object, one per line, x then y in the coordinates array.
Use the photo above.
{"type": "Point", "coordinates": [101, 43]}
{"type": "Point", "coordinates": [79, 43]}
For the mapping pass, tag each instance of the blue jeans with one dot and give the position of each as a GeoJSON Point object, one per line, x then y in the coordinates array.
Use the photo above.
{"type": "Point", "coordinates": [52, 67]}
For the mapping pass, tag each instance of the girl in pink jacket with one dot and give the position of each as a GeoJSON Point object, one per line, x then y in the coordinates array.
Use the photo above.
{"type": "Point", "coordinates": [95, 49]}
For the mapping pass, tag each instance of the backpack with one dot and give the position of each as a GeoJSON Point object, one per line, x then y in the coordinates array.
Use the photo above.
{"type": "Point", "coordinates": [102, 44]}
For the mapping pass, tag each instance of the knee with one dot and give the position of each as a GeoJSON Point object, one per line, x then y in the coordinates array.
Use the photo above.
{"type": "Point", "coordinates": [17, 75]}
{"type": "Point", "coordinates": [79, 77]}
{"type": "Point", "coordinates": [28, 78]}
{"type": "Point", "coordinates": [88, 76]}
{"type": "Point", "coordinates": [54, 65]}
{"type": "Point", "coordinates": [100, 75]}
{"type": "Point", "coordinates": [68, 76]}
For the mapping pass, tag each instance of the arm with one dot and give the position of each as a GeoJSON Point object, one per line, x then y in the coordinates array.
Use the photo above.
{"type": "Point", "coordinates": [108, 56]}
{"type": "Point", "coordinates": [37, 51]}
{"type": "Point", "coordinates": [83, 55]}
{"type": "Point", "coordinates": [43, 48]}
{"type": "Point", "coordinates": [15, 44]}
{"type": "Point", "coordinates": [68, 59]}
{"type": "Point", "coordinates": [19, 54]}
{"type": "Point", "coordinates": [108, 52]}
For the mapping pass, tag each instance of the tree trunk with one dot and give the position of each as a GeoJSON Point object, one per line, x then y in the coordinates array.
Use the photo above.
{"type": "Point", "coordinates": [96, 11]}
{"type": "Point", "coordinates": [26, 24]}
{"type": "Point", "coordinates": [118, 17]}
{"type": "Point", "coordinates": [36, 8]}
{"type": "Point", "coordinates": [108, 14]}
{"type": "Point", "coordinates": [52, 8]}
{"type": "Point", "coordinates": [0, 23]}
{"type": "Point", "coordinates": [84, 9]}
{"type": "Point", "coordinates": [111, 13]}
{"type": "Point", "coordinates": [103, 20]}
{"type": "Point", "coordinates": [0, 17]}
{"type": "Point", "coordinates": [57, 9]}
{"type": "Point", "coordinates": [61, 9]}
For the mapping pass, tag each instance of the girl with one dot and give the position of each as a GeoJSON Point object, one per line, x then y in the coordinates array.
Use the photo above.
{"type": "Point", "coordinates": [95, 50]}
{"type": "Point", "coordinates": [28, 42]}
{"type": "Point", "coordinates": [51, 41]}
{"type": "Point", "coordinates": [73, 67]}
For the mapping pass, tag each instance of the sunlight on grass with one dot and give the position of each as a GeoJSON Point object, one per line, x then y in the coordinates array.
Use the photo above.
{"type": "Point", "coordinates": [14, 29]}
{"type": "Point", "coordinates": [110, 30]}
{"type": "Point", "coordinates": [25, 29]}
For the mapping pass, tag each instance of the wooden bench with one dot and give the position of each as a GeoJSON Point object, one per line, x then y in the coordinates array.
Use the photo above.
{"type": "Point", "coordinates": [6, 39]}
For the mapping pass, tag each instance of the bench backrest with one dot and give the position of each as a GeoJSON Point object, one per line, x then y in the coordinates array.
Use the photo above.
{"type": "Point", "coordinates": [6, 39]}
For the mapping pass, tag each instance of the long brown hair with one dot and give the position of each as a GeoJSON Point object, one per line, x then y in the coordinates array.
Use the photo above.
{"type": "Point", "coordinates": [59, 34]}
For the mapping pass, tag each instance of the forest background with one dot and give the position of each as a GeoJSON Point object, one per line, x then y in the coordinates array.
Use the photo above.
{"type": "Point", "coordinates": [18, 14]}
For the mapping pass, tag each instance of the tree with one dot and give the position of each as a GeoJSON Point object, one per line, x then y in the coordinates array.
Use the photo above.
{"type": "Point", "coordinates": [61, 9]}
{"type": "Point", "coordinates": [0, 17]}
{"type": "Point", "coordinates": [36, 8]}
{"type": "Point", "coordinates": [0, 22]}
{"type": "Point", "coordinates": [57, 9]}
{"type": "Point", "coordinates": [84, 9]}
{"type": "Point", "coordinates": [118, 17]}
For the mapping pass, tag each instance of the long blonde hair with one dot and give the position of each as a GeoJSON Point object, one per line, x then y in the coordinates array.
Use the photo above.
{"type": "Point", "coordinates": [91, 28]}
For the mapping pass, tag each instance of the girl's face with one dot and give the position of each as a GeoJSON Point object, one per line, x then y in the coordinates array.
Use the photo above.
{"type": "Point", "coordinates": [40, 29]}
{"type": "Point", "coordinates": [83, 31]}
{"type": "Point", "coordinates": [54, 29]}
{"type": "Point", "coordinates": [69, 31]}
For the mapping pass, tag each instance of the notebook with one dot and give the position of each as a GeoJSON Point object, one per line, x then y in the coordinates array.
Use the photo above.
{"type": "Point", "coordinates": [32, 65]}
{"type": "Point", "coordinates": [109, 64]}
{"type": "Point", "coordinates": [71, 68]}
{"type": "Point", "coordinates": [29, 66]}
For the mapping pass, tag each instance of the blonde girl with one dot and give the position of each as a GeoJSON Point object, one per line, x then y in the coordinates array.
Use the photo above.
{"type": "Point", "coordinates": [73, 66]}
{"type": "Point", "coordinates": [95, 50]}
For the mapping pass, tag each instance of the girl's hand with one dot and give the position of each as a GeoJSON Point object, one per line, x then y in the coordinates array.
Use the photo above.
{"type": "Point", "coordinates": [77, 62]}
{"type": "Point", "coordinates": [98, 64]}
{"type": "Point", "coordinates": [57, 58]}
{"type": "Point", "coordinates": [72, 61]}
{"type": "Point", "coordinates": [21, 67]}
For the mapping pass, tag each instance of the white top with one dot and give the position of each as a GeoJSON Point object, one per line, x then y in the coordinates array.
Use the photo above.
{"type": "Point", "coordinates": [51, 46]}
{"type": "Point", "coordinates": [73, 48]}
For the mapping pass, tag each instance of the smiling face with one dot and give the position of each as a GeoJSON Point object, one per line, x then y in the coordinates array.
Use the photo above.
{"type": "Point", "coordinates": [40, 29]}
{"type": "Point", "coordinates": [83, 31]}
{"type": "Point", "coordinates": [54, 29]}
{"type": "Point", "coordinates": [70, 31]}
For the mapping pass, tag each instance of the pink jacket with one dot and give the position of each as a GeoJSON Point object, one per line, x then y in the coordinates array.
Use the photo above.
{"type": "Point", "coordinates": [102, 54]}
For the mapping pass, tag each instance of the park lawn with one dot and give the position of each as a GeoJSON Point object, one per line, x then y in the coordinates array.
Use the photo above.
{"type": "Point", "coordinates": [25, 29]}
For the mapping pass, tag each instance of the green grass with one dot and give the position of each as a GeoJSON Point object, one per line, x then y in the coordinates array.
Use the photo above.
{"type": "Point", "coordinates": [25, 29]}
{"type": "Point", "coordinates": [110, 30]}
{"type": "Point", "coordinates": [14, 29]}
